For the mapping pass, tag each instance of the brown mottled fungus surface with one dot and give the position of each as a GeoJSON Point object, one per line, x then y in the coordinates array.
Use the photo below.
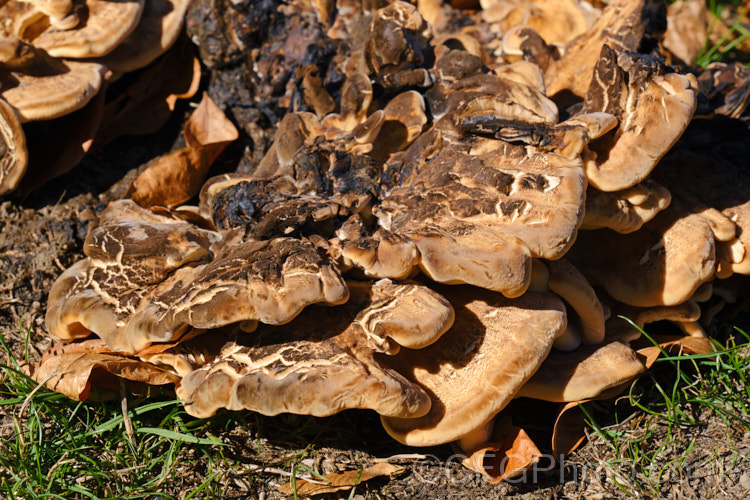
{"type": "Point", "coordinates": [14, 157]}
{"type": "Point", "coordinates": [475, 369]}
{"type": "Point", "coordinates": [627, 25]}
{"type": "Point", "coordinates": [306, 187]}
{"type": "Point", "coordinates": [653, 108]}
{"type": "Point", "coordinates": [466, 206]}
{"type": "Point", "coordinates": [556, 21]}
{"type": "Point", "coordinates": [396, 49]}
{"type": "Point", "coordinates": [148, 278]}
{"type": "Point", "coordinates": [726, 88]}
{"type": "Point", "coordinates": [518, 148]}
{"type": "Point", "coordinates": [324, 361]}
{"type": "Point", "coordinates": [58, 61]}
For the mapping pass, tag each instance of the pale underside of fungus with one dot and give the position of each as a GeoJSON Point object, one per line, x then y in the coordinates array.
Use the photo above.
{"type": "Point", "coordinates": [448, 217]}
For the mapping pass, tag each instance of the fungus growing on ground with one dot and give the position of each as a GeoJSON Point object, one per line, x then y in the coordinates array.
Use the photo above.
{"type": "Point", "coordinates": [495, 345]}
{"type": "Point", "coordinates": [13, 154]}
{"type": "Point", "coordinates": [468, 208]}
{"type": "Point", "coordinates": [541, 191]}
{"type": "Point", "coordinates": [324, 361]}
{"type": "Point", "coordinates": [58, 58]}
{"type": "Point", "coordinates": [584, 373]}
{"type": "Point", "coordinates": [131, 296]}
{"type": "Point", "coordinates": [663, 263]}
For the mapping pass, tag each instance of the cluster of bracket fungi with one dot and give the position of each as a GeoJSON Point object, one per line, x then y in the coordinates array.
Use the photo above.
{"type": "Point", "coordinates": [457, 207]}
{"type": "Point", "coordinates": [74, 74]}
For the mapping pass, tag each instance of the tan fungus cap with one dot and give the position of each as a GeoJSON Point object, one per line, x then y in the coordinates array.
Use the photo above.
{"type": "Point", "coordinates": [476, 368]}
{"type": "Point", "coordinates": [324, 361]}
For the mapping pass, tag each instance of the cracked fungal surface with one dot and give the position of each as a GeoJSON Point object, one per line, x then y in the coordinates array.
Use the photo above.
{"type": "Point", "coordinates": [324, 361]}
{"type": "Point", "coordinates": [467, 208]}
{"type": "Point", "coordinates": [653, 108]}
{"type": "Point", "coordinates": [511, 197]}
{"type": "Point", "coordinates": [13, 154]}
{"type": "Point", "coordinates": [131, 296]}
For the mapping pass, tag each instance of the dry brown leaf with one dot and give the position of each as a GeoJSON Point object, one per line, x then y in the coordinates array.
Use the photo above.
{"type": "Point", "coordinates": [171, 179]}
{"type": "Point", "coordinates": [676, 346]}
{"type": "Point", "coordinates": [75, 373]}
{"type": "Point", "coordinates": [209, 127]}
{"type": "Point", "coordinates": [343, 481]}
{"type": "Point", "coordinates": [176, 177]}
{"type": "Point", "coordinates": [505, 459]}
{"type": "Point", "coordinates": [569, 430]}
{"type": "Point", "coordinates": [686, 29]}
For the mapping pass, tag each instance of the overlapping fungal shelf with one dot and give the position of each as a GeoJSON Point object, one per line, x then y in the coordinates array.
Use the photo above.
{"type": "Point", "coordinates": [58, 63]}
{"type": "Point", "coordinates": [455, 207]}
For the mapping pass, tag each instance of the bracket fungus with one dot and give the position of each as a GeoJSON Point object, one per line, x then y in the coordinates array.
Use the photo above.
{"type": "Point", "coordinates": [103, 26]}
{"type": "Point", "coordinates": [584, 373]}
{"type": "Point", "coordinates": [323, 362]}
{"type": "Point", "coordinates": [60, 57]}
{"type": "Point", "coordinates": [475, 369]}
{"type": "Point", "coordinates": [627, 210]}
{"type": "Point", "coordinates": [663, 263]}
{"type": "Point", "coordinates": [40, 87]}
{"type": "Point", "coordinates": [653, 109]}
{"type": "Point", "coordinates": [131, 295]}
{"type": "Point", "coordinates": [15, 157]}
{"type": "Point", "coordinates": [466, 205]}
{"type": "Point", "coordinates": [624, 25]}
{"type": "Point", "coordinates": [157, 30]}
{"type": "Point", "coordinates": [514, 180]}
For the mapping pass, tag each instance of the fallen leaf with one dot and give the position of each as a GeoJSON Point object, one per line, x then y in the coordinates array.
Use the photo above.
{"type": "Point", "coordinates": [171, 179]}
{"type": "Point", "coordinates": [209, 127]}
{"type": "Point", "coordinates": [568, 432]}
{"type": "Point", "coordinates": [176, 177]}
{"type": "Point", "coordinates": [686, 29]}
{"type": "Point", "coordinates": [676, 346]}
{"type": "Point", "coordinates": [343, 481]}
{"type": "Point", "coordinates": [505, 459]}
